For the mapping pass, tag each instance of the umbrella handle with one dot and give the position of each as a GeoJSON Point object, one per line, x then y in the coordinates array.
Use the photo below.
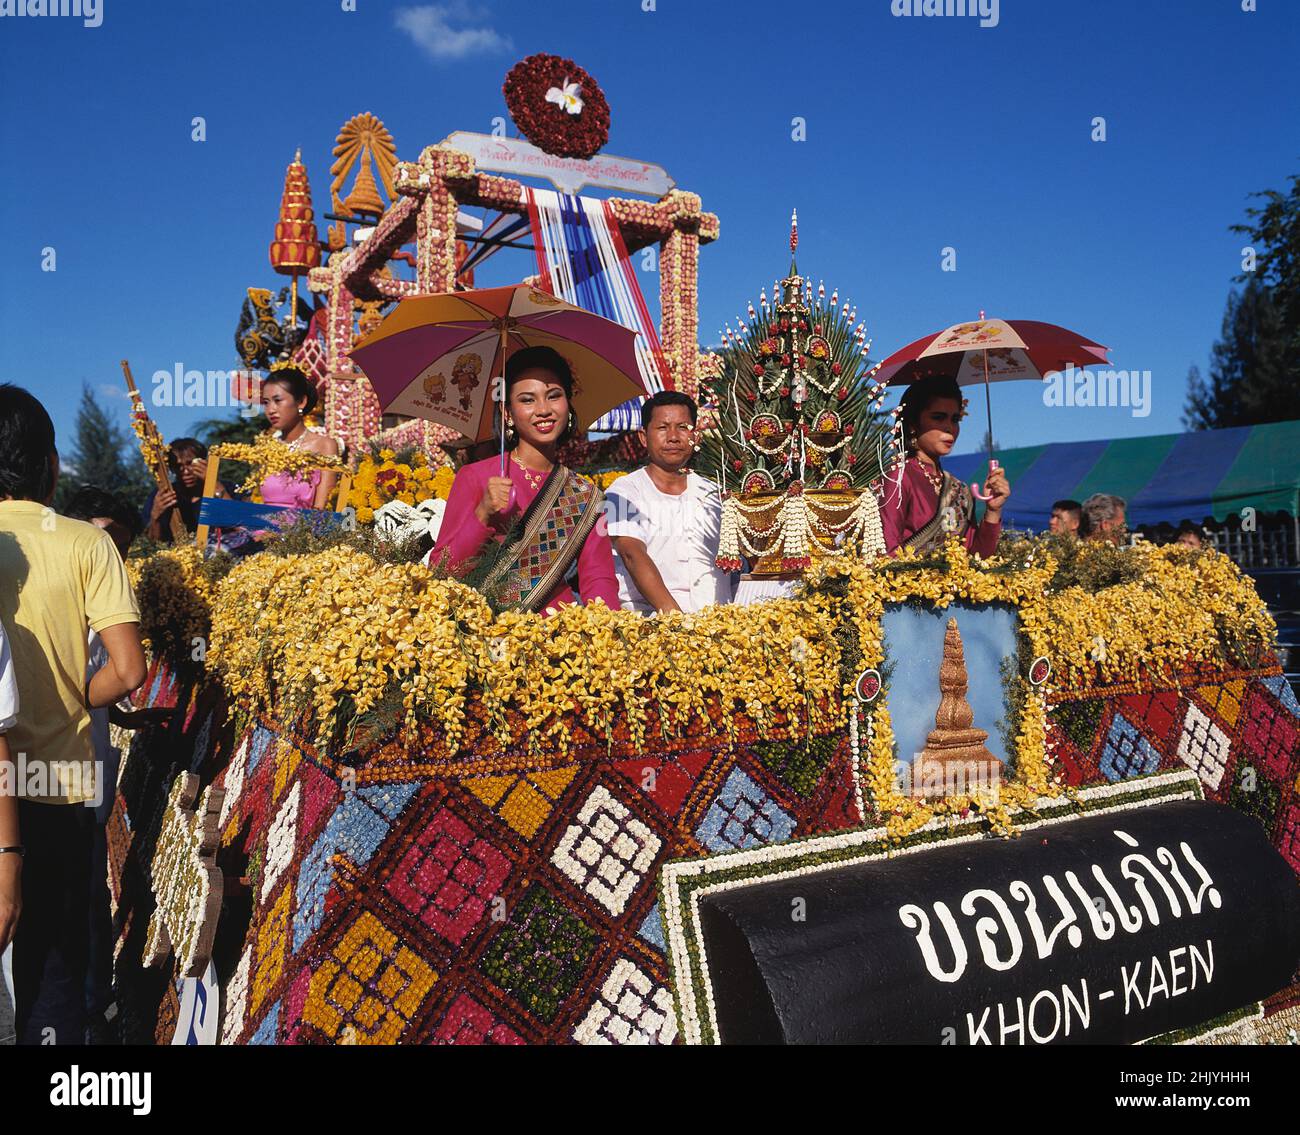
{"type": "Point", "coordinates": [979, 493]}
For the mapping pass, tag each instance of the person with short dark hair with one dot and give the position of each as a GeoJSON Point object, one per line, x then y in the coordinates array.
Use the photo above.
{"type": "Point", "coordinates": [665, 519]}
{"type": "Point", "coordinates": [1065, 517]}
{"type": "Point", "coordinates": [187, 458]}
{"type": "Point", "coordinates": [1103, 518]}
{"type": "Point", "coordinates": [105, 510]}
{"type": "Point", "coordinates": [59, 578]}
{"type": "Point", "coordinates": [523, 508]}
{"type": "Point", "coordinates": [1190, 535]}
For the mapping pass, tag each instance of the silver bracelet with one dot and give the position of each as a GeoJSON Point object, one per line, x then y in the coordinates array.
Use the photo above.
{"type": "Point", "coordinates": [18, 849]}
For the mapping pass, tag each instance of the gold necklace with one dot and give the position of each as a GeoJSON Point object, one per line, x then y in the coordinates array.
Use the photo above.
{"type": "Point", "coordinates": [535, 480]}
{"type": "Point", "coordinates": [936, 481]}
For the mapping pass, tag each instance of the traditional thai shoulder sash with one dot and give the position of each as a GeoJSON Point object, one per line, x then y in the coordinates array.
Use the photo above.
{"type": "Point", "coordinates": [954, 514]}
{"type": "Point", "coordinates": [542, 545]}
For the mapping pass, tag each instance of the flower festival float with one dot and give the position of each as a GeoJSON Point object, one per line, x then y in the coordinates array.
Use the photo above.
{"type": "Point", "coordinates": [1047, 796]}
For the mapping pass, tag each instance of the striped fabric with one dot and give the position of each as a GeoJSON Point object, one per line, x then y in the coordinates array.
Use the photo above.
{"type": "Point", "coordinates": [1169, 477]}
{"type": "Point", "coordinates": [581, 258]}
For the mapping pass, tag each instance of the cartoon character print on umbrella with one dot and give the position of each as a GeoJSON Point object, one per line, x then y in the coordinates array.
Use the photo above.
{"type": "Point", "coordinates": [464, 376]}
{"type": "Point", "coordinates": [435, 386]}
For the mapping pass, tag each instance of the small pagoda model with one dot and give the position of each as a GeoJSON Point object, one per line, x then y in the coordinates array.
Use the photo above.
{"type": "Point", "coordinates": [798, 434]}
{"type": "Point", "coordinates": [954, 750]}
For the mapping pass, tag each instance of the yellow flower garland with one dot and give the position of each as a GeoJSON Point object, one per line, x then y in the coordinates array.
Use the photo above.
{"type": "Point", "coordinates": [268, 455]}
{"type": "Point", "coordinates": [335, 630]}
{"type": "Point", "coordinates": [340, 635]}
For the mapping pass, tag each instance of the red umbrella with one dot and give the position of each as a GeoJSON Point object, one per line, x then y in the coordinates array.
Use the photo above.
{"type": "Point", "coordinates": [991, 350]}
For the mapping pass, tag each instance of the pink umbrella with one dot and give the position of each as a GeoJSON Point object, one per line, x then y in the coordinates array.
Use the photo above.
{"type": "Point", "coordinates": [994, 350]}
{"type": "Point", "coordinates": [439, 356]}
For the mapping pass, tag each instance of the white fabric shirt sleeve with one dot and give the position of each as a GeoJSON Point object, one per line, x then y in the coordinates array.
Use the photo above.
{"type": "Point", "coordinates": [8, 686]}
{"type": "Point", "coordinates": [625, 511]}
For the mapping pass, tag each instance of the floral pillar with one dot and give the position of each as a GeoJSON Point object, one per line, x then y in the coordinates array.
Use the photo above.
{"type": "Point", "coordinates": [679, 261]}
{"type": "Point", "coordinates": [431, 180]}
{"type": "Point", "coordinates": [351, 408]}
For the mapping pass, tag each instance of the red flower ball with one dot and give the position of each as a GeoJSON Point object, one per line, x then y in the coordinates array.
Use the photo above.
{"type": "Point", "coordinates": [785, 392]}
{"type": "Point", "coordinates": [737, 465]}
{"type": "Point", "coordinates": [547, 125]}
{"type": "Point", "coordinates": [836, 368]}
{"type": "Point", "coordinates": [757, 370]}
{"type": "Point", "coordinates": [785, 360]}
{"type": "Point", "coordinates": [842, 395]}
{"type": "Point", "coordinates": [803, 325]}
{"type": "Point", "coordinates": [817, 329]}
{"type": "Point", "coordinates": [785, 325]}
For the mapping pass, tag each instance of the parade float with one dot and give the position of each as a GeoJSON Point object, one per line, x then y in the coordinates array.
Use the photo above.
{"type": "Point", "coordinates": [1049, 796]}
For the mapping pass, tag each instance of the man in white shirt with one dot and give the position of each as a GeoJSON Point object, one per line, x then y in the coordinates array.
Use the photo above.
{"type": "Point", "coordinates": [664, 520]}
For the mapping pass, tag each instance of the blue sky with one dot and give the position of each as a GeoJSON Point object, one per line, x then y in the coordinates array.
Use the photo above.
{"type": "Point", "coordinates": [922, 133]}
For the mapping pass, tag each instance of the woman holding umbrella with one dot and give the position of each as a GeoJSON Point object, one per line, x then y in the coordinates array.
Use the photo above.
{"type": "Point", "coordinates": [517, 536]}
{"type": "Point", "coordinates": [921, 505]}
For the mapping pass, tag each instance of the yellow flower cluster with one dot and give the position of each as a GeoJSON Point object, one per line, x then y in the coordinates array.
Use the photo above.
{"type": "Point", "coordinates": [175, 599]}
{"type": "Point", "coordinates": [334, 632]}
{"type": "Point", "coordinates": [604, 480]}
{"type": "Point", "coordinates": [383, 479]}
{"type": "Point", "coordinates": [268, 455]}
{"type": "Point", "coordinates": [152, 448]}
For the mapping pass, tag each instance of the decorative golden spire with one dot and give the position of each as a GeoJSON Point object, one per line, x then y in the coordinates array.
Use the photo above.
{"type": "Point", "coordinates": [953, 742]}
{"type": "Point", "coordinates": [364, 197]}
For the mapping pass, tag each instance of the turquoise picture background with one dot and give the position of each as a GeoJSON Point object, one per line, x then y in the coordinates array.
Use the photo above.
{"type": "Point", "coordinates": [914, 647]}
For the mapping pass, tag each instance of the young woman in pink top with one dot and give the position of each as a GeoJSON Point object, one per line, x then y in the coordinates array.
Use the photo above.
{"type": "Point", "coordinates": [287, 398]}
{"type": "Point", "coordinates": [921, 505]}
{"type": "Point", "coordinates": [543, 518]}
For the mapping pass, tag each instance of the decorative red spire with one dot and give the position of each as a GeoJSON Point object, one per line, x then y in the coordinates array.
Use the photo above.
{"type": "Point", "coordinates": [295, 248]}
{"type": "Point", "coordinates": [794, 230]}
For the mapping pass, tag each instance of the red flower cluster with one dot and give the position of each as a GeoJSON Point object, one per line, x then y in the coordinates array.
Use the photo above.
{"type": "Point", "coordinates": [548, 125]}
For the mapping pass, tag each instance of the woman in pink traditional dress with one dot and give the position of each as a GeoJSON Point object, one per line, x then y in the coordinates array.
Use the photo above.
{"type": "Point", "coordinates": [287, 398]}
{"type": "Point", "coordinates": [924, 505]}
{"type": "Point", "coordinates": [520, 537]}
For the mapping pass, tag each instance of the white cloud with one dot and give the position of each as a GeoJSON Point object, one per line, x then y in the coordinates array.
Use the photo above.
{"type": "Point", "coordinates": [430, 27]}
{"type": "Point", "coordinates": [112, 390]}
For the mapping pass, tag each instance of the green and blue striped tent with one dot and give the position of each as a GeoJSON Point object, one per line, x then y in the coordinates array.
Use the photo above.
{"type": "Point", "coordinates": [1211, 474]}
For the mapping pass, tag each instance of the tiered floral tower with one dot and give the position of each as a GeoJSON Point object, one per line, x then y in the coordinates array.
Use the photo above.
{"type": "Point", "coordinates": [295, 249]}
{"type": "Point", "coordinates": [798, 434]}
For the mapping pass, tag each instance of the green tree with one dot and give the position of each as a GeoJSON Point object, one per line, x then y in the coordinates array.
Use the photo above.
{"type": "Point", "coordinates": [103, 453]}
{"type": "Point", "coordinates": [1252, 373]}
{"type": "Point", "coordinates": [1255, 364]}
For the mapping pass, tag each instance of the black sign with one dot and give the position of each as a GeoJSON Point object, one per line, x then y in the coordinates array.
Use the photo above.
{"type": "Point", "coordinates": [1109, 929]}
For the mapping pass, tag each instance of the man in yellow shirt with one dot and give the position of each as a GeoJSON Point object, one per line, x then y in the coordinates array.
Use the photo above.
{"type": "Point", "coordinates": [58, 577]}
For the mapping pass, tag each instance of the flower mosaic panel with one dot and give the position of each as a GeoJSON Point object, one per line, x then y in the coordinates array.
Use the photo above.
{"type": "Point", "coordinates": [516, 902]}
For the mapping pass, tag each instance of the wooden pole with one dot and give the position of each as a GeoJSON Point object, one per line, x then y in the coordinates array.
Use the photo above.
{"type": "Point", "coordinates": [161, 473]}
{"type": "Point", "coordinates": [209, 488]}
